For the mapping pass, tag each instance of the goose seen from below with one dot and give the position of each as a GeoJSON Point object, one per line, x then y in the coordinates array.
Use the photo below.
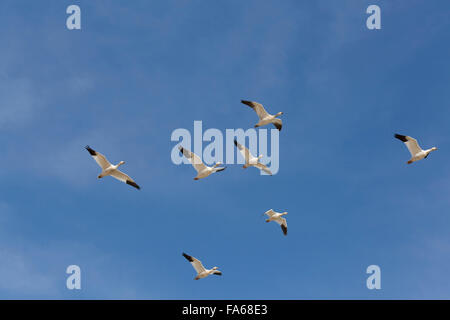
{"type": "Point", "coordinates": [109, 169]}
{"type": "Point", "coordinates": [278, 218]}
{"type": "Point", "coordinates": [202, 170]}
{"type": "Point", "coordinates": [264, 117]}
{"type": "Point", "coordinates": [200, 269]}
{"type": "Point", "coordinates": [413, 146]}
{"type": "Point", "coordinates": [251, 160]}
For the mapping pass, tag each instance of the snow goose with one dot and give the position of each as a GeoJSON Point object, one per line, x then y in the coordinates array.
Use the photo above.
{"type": "Point", "coordinates": [264, 117]}
{"type": "Point", "coordinates": [200, 269]}
{"type": "Point", "coordinates": [250, 160]}
{"type": "Point", "coordinates": [111, 170]}
{"type": "Point", "coordinates": [278, 218]}
{"type": "Point", "coordinates": [416, 151]}
{"type": "Point", "coordinates": [202, 170]}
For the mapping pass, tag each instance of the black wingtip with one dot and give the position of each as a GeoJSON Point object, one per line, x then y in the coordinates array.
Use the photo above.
{"type": "Point", "coordinates": [284, 230]}
{"type": "Point", "coordinates": [400, 137]}
{"type": "Point", "coordinates": [235, 142]}
{"type": "Point", "coordinates": [188, 257]}
{"type": "Point", "coordinates": [133, 184]}
{"type": "Point", "coordinates": [278, 126]}
{"type": "Point", "coordinates": [91, 151]}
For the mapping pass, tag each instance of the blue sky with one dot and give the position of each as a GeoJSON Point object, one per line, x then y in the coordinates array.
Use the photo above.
{"type": "Point", "coordinates": [138, 70]}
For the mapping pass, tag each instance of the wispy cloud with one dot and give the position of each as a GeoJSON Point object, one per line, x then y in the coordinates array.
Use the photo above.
{"type": "Point", "coordinates": [18, 276]}
{"type": "Point", "coordinates": [31, 270]}
{"type": "Point", "coordinates": [18, 100]}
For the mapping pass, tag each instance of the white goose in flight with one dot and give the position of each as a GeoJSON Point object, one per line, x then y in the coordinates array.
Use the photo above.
{"type": "Point", "coordinates": [202, 170]}
{"type": "Point", "coordinates": [111, 170]}
{"type": "Point", "coordinates": [264, 117]}
{"type": "Point", "coordinates": [200, 269]}
{"type": "Point", "coordinates": [250, 160]}
{"type": "Point", "coordinates": [278, 218]}
{"type": "Point", "coordinates": [416, 151]}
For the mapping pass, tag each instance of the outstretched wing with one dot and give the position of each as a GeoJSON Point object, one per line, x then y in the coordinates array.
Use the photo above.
{"type": "Point", "coordinates": [99, 158]}
{"type": "Point", "coordinates": [259, 109]}
{"type": "Point", "coordinates": [197, 264]}
{"type": "Point", "coordinates": [119, 175]}
{"type": "Point", "coordinates": [263, 167]}
{"type": "Point", "coordinates": [269, 213]}
{"type": "Point", "coordinates": [284, 226]}
{"type": "Point", "coordinates": [193, 158]}
{"type": "Point", "coordinates": [244, 151]}
{"type": "Point", "coordinates": [283, 223]}
{"type": "Point", "coordinates": [410, 143]}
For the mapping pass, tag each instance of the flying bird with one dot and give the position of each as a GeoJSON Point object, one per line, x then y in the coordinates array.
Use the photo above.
{"type": "Point", "coordinates": [250, 160]}
{"type": "Point", "coordinates": [278, 218]}
{"type": "Point", "coordinates": [202, 170]}
{"type": "Point", "coordinates": [200, 269]}
{"type": "Point", "coordinates": [264, 117]}
{"type": "Point", "coordinates": [111, 170]}
{"type": "Point", "coordinates": [416, 151]}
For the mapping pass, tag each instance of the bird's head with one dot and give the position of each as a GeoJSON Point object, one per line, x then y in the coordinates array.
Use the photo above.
{"type": "Point", "coordinates": [121, 163]}
{"type": "Point", "coordinates": [433, 149]}
{"type": "Point", "coordinates": [279, 114]}
{"type": "Point", "coordinates": [215, 268]}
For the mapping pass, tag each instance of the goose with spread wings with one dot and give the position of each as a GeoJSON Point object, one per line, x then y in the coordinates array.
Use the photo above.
{"type": "Point", "coordinates": [200, 269]}
{"type": "Point", "coordinates": [109, 169]}
{"type": "Point", "coordinates": [278, 218]}
{"type": "Point", "coordinates": [413, 146]}
{"type": "Point", "coordinates": [202, 170]}
{"type": "Point", "coordinates": [250, 160]}
{"type": "Point", "coordinates": [264, 117]}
